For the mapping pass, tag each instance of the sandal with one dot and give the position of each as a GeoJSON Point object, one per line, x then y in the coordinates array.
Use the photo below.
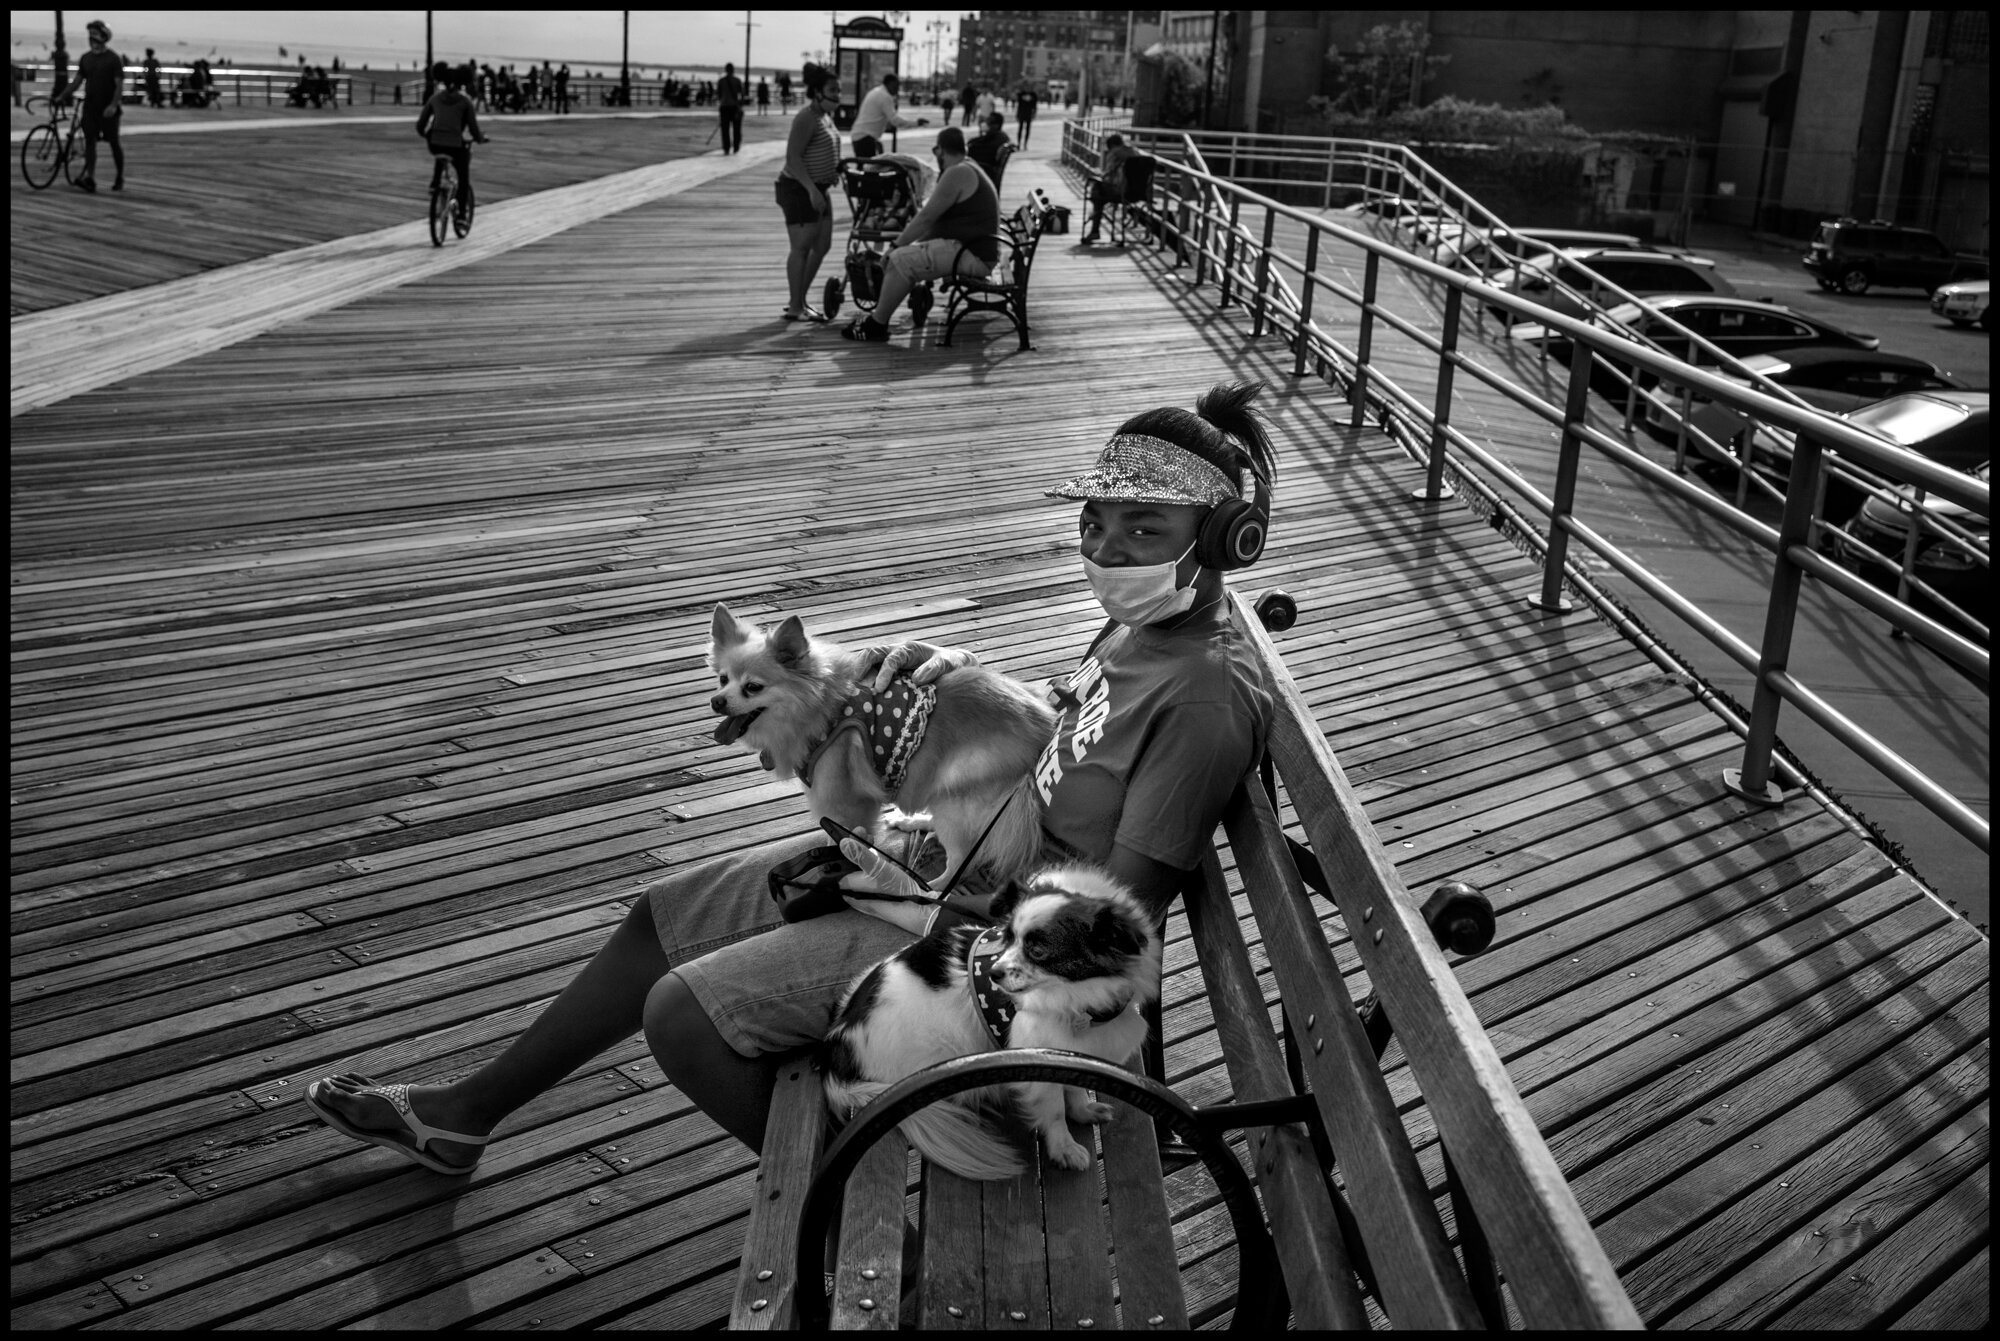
{"type": "Point", "coordinates": [810, 313]}
{"type": "Point", "coordinates": [415, 1130]}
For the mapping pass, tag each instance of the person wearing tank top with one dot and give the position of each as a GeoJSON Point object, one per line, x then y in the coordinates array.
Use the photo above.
{"type": "Point", "coordinates": [956, 232]}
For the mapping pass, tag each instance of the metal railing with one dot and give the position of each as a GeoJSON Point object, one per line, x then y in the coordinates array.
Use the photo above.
{"type": "Point", "coordinates": [1212, 223]}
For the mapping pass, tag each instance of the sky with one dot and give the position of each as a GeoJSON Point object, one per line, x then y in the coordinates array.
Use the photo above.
{"type": "Point", "coordinates": [583, 37]}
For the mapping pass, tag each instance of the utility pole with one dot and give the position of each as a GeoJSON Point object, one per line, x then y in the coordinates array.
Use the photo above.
{"type": "Point", "coordinates": [625, 63]}
{"type": "Point", "coordinates": [60, 58]}
{"type": "Point", "coordinates": [747, 26]}
{"type": "Point", "coordinates": [1208, 86]}
{"type": "Point", "coordinates": [429, 58]}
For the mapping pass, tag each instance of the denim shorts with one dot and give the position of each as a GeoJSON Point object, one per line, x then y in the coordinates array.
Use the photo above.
{"type": "Point", "coordinates": [767, 984]}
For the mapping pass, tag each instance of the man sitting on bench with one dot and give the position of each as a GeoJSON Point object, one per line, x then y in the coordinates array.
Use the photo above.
{"type": "Point", "coordinates": [954, 233]}
{"type": "Point", "coordinates": [1108, 188]}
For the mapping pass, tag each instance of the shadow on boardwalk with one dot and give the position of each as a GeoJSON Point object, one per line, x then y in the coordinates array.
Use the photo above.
{"type": "Point", "coordinates": [357, 688]}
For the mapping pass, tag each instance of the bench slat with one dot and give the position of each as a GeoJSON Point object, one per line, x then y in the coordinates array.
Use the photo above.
{"type": "Point", "coordinates": [871, 1239]}
{"type": "Point", "coordinates": [1017, 1265]}
{"type": "Point", "coordinates": [1078, 1250]}
{"type": "Point", "coordinates": [1142, 1232]}
{"type": "Point", "coordinates": [954, 1230]}
{"type": "Point", "coordinates": [793, 1139]}
{"type": "Point", "coordinates": [1415, 1271]}
{"type": "Point", "coordinates": [1559, 1273]}
{"type": "Point", "coordinates": [1317, 1269]}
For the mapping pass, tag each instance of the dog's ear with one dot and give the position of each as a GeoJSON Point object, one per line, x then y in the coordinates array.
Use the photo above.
{"type": "Point", "coordinates": [726, 628]}
{"type": "Point", "coordinates": [789, 644]}
{"type": "Point", "coordinates": [1114, 930]}
{"type": "Point", "coordinates": [1001, 906]}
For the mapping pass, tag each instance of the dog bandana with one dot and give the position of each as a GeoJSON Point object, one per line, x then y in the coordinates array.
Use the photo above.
{"type": "Point", "coordinates": [891, 725]}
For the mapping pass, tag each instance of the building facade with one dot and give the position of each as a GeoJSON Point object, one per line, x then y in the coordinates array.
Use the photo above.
{"type": "Point", "coordinates": [1053, 51]}
{"type": "Point", "coordinates": [1794, 115]}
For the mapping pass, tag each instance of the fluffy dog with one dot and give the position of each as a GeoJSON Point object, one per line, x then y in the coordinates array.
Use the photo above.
{"type": "Point", "coordinates": [958, 749]}
{"type": "Point", "coordinates": [1078, 958]}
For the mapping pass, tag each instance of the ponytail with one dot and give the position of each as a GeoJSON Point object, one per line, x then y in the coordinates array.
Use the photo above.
{"type": "Point", "coordinates": [1225, 430]}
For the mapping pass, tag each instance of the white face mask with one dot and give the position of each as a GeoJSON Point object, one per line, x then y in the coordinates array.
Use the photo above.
{"type": "Point", "coordinates": [1145, 594]}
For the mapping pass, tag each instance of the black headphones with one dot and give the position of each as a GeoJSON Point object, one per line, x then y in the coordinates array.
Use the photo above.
{"type": "Point", "coordinates": [1232, 536]}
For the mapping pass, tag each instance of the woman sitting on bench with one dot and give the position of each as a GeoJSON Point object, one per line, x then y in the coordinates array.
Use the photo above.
{"type": "Point", "coordinates": [1164, 716]}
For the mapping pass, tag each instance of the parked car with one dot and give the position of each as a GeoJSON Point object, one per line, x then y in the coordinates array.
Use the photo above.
{"type": "Point", "coordinates": [1496, 251]}
{"type": "Point", "coordinates": [1853, 256]}
{"type": "Point", "coordinates": [1644, 273]}
{"type": "Point", "coordinates": [1965, 303]}
{"type": "Point", "coordinates": [1952, 428]}
{"type": "Point", "coordinates": [1739, 326]}
{"type": "Point", "coordinates": [1950, 569]}
{"type": "Point", "coordinates": [1826, 377]}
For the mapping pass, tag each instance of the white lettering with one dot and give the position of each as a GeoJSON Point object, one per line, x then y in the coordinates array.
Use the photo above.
{"type": "Point", "coordinates": [1048, 772]}
{"type": "Point", "coordinates": [1090, 722]}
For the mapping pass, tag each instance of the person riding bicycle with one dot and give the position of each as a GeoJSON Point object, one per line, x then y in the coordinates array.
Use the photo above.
{"type": "Point", "coordinates": [445, 121]}
{"type": "Point", "coordinates": [101, 73]}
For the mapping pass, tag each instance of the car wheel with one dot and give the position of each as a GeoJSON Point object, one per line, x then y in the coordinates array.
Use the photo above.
{"type": "Point", "coordinates": [1960, 322]}
{"type": "Point", "coordinates": [1854, 282]}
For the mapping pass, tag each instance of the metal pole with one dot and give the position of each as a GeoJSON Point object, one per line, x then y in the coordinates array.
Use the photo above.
{"type": "Point", "coordinates": [1229, 249]}
{"type": "Point", "coordinates": [1435, 490]}
{"type": "Point", "coordinates": [1305, 305]}
{"type": "Point", "coordinates": [1574, 407]}
{"type": "Point", "coordinates": [1263, 271]}
{"type": "Point", "coordinates": [1359, 395]}
{"type": "Point", "coordinates": [1208, 86]}
{"type": "Point", "coordinates": [1753, 781]}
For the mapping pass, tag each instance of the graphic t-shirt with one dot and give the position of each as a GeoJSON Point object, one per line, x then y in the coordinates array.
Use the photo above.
{"type": "Point", "coordinates": [1159, 727]}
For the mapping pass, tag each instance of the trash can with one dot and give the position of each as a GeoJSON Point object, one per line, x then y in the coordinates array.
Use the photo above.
{"type": "Point", "coordinates": [1058, 220]}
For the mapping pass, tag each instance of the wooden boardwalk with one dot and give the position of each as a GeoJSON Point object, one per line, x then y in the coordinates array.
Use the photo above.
{"type": "Point", "coordinates": [356, 688]}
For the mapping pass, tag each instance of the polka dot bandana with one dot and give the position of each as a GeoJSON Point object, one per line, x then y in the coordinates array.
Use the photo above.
{"type": "Point", "coordinates": [1136, 468]}
{"type": "Point", "coordinates": [892, 722]}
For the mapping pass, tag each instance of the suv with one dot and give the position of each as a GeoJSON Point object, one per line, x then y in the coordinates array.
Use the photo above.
{"type": "Point", "coordinates": [1849, 255]}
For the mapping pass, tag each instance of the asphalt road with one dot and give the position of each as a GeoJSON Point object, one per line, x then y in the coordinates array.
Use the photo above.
{"type": "Point", "coordinates": [1906, 695]}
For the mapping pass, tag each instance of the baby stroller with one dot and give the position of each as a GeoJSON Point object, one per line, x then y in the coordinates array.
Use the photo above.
{"type": "Point", "coordinates": [883, 195]}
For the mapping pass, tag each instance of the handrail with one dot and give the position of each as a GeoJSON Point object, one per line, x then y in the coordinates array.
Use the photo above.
{"type": "Point", "coordinates": [1244, 264]}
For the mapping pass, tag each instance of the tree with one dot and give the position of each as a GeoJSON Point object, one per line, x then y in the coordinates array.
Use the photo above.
{"type": "Point", "coordinates": [1383, 71]}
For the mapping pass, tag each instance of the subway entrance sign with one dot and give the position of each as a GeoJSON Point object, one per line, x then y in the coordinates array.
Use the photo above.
{"type": "Point", "coordinates": [864, 50]}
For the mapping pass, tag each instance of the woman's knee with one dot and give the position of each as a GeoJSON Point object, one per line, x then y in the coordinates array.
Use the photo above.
{"type": "Point", "coordinates": [673, 1014]}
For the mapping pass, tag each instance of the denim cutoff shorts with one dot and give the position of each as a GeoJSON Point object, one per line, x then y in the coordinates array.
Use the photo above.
{"type": "Point", "coordinates": [767, 984]}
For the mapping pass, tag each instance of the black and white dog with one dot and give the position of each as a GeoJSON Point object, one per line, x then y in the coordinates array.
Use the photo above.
{"type": "Point", "coordinates": [1072, 962]}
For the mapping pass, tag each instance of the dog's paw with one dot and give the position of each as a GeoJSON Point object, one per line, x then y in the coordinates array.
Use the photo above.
{"type": "Point", "coordinates": [1093, 1111]}
{"type": "Point", "coordinates": [1068, 1154]}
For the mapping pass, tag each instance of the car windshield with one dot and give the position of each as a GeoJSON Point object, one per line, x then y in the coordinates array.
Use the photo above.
{"type": "Point", "coordinates": [1907, 420]}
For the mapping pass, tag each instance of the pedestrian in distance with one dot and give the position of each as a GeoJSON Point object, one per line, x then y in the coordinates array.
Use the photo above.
{"type": "Point", "coordinates": [955, 233]}
{"type": "Point", "coordinates": [154, 98]}
{"type": "Point", "coordinates": [878, 113]}
{"type": "Point", "coordinates": [763, 96]}
{"type": "Point", "coordinates": [804, 189]}
{"type": "Point", "coordinates": [101, 74]}
{"type": "Point", "coordinates": [967, 98]}
{"type": "Point", "coordinates": [729, 107]}
{"type": "Point", "coordinates": [562, 89]}
{"type": "Point", "coordinates": [1024, 113]}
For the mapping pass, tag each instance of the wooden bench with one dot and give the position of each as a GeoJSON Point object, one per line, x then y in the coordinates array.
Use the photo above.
{"type": "Point", "coordinates": [1349, 1208]}
{"type": "Point", "coordinates": [1005, 290]}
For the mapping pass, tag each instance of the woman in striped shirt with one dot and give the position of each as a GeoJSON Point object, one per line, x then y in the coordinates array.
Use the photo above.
{"type": "Point", "coordinates": [812, 165]}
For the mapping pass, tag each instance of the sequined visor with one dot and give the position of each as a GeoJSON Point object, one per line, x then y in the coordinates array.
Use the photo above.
{"type": "Point", "coordinates": [1136, 468]}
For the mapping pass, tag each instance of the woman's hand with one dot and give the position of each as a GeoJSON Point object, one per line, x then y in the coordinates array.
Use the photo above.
{"type": "Point", "coordinates": [930, 662]}
{"type": "Point", "coordinates": [878, 876]}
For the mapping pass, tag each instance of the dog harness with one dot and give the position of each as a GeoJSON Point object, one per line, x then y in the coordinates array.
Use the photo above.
{"type": "Point", "coordinates": [891, 725]}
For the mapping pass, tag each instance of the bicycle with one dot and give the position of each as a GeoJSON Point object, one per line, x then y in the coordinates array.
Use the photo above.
{"type": "Point", "coordinates": [51, 148]}
{"type": "Point", "coordinates": [443, 195]}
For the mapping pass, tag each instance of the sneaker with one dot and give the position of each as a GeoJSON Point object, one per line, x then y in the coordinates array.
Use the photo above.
{"type": "Point", "coordinates": [86, 184]}
{"type": "Point", "coordinates": [118, 185]}
{"type": "Point", "coordinates": [867, 330]}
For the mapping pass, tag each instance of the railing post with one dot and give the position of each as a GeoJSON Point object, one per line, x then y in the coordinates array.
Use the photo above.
{"type": "Point", "coordinates": [1753, 782]}
{"type": "Point", "coordinates": [1358, 393]}
{"type": "Point", "coordinates": [1201, 240]}
{"type": "Point", "coordinates": [1305, 305]}
{"type": "Point", "coordinates": [1435, 490]}
{"type": "Point", "coordinates": [1229, 249]}
{"type": "Point", "coordinates": [1575, 404]}
{"type": "Point", "coordinates": [1912, 541]}
{"type": "Point", "coordinates": [1263, 272]}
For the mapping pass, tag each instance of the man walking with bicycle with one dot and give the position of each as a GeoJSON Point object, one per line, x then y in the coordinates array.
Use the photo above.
{"type": "Point", "coordinates": [102, 75]}
{"type": "Point", "coordinates": [444, 123]}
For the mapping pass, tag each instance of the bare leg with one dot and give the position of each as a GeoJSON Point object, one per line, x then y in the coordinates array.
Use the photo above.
{"type": "Point", "coordinates": [797, 273]}
{"type": "Point", "coordinates": [733, 1089]}
{"type": "Point", "coordinates": [602, 1006]}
